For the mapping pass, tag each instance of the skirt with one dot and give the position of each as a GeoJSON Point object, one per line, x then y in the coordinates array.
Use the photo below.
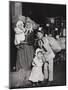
{"type": "Point", "coordinates": [36, 74]}
{"type": "Point", "coordinates": [24, 57]}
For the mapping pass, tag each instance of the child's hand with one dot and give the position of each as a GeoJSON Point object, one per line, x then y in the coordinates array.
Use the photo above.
{"type": "Point", "coordinates": [17, 46]}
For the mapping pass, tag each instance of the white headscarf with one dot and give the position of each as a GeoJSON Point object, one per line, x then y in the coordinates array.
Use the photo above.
{"type": "Point", "coordinates": [38, 50]}
{"type": "Point", "coordinates": [19, 22]}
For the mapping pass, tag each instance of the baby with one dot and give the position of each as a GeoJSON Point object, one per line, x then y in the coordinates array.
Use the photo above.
{"type": "Point", "coordinates": [36, 73]}
{"type": "Point", "coordinates": [19, 32]}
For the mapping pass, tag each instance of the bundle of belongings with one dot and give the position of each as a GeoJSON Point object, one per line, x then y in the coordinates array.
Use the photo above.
{"type": "Point", "coordinates": [54, 44]}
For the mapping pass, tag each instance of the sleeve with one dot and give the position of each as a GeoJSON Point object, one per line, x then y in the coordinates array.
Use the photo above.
{"type": "Point", "coordinates": [17, 30]}
{"type": "Point", "coordinates": [44, 59]}
{"type": "Point", "coordinates": [34, 63]}
{"type": "Point", "coordinates": [47, 46]}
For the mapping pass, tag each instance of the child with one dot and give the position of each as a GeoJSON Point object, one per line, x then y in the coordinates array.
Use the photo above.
{"type": "Point", "coordinates": [19, 32]}
{"type": "Point", "coordinates": [36, 73]}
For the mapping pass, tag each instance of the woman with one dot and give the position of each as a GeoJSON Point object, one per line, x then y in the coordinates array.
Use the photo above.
{"type": "Point", "coordinates": [25, 52]}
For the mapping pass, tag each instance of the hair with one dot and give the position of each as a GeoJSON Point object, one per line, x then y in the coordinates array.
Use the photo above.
{"type": "Point", "coordinates": [41, 32]}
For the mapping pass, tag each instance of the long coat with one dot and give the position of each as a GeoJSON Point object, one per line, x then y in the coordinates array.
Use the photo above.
{"type": "Point", "coordinates": [25, 54]}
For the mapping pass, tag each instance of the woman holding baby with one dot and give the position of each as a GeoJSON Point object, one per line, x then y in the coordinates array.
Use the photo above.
{"type": "Point", "coordinates": [24, 46]}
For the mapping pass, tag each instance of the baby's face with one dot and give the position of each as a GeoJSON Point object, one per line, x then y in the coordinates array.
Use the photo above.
{"type": "Point", "coordinates": [21, 26]}
{"type": "Point", "coordinates": [40, 55]}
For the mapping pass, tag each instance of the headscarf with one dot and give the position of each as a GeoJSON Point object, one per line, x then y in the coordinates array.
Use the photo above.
{"type": "Point", "coordinates": [38, 50]}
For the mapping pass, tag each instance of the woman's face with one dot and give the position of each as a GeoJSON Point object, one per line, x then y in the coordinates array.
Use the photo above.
{"type": "Point", "coordinates": [40, 35]}
{"type": "Point", "coordinates": [28, 25]}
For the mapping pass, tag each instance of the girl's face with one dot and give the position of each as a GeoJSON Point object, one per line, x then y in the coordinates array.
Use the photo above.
{"type": "Point", "coordinates": [21, 26]}
{"type": "Point", "coordinates": [39, 35]}
{"type": "Point", "coordinates": [40, 55]}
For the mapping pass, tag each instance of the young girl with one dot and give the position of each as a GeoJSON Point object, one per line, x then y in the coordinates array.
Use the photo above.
{"type": "Point", "coordinates": [19, 32]}
{"type": "Point", "coordinates": [36, 73]}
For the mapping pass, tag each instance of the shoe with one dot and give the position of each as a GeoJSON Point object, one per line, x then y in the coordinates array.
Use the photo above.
{"type": "Point", "coordinates": [49, 83]}
{"type": "Point", "coordinates": [34, 84]}
{"type": "Point", "coordinates": [46, 80]}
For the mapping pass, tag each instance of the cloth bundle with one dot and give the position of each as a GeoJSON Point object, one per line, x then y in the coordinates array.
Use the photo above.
{"type": "Point", "coordinates": [54, 44]}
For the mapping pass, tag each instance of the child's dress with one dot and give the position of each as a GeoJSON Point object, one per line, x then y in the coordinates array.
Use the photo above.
{"type": "Point", "coordinates": [36, 73]}
{"type": "Point", "coordinates": [19, 36]}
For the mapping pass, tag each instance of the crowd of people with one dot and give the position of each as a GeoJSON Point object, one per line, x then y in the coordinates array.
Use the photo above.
{"type": "Point", "coordinates": [35, 51]}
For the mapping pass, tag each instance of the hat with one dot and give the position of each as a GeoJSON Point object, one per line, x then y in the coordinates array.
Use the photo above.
{"type": "Point", "coordinates": [41, 31]}
{"type": "Point", "coordinates": [40, 28]}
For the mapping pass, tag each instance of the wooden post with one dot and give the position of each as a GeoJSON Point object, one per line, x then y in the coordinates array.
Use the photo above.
{"type": "Point", "coordinates": [18, 8]}
{"type": "Point", "coordinates": [16, 11]}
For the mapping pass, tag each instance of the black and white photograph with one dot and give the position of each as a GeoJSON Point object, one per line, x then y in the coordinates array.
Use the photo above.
{"type": "Point", "coordinates": [37, 44]}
